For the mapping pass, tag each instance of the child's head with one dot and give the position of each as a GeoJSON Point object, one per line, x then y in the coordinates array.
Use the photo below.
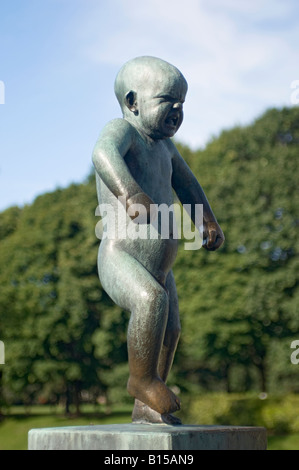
{"type": "Point", "coordinates": [151, 93]}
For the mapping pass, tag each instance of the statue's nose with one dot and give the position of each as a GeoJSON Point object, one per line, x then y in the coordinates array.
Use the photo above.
{"type": "Point", "coordinates": [178, 105]}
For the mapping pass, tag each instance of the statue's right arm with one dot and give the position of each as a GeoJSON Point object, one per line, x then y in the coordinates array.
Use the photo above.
{"type": "Point", "coordinates": [108, 158]}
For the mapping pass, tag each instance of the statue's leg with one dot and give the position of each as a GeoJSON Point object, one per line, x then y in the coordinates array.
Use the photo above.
{"type": "Point", "coordinates": [133, 288]}
{"type": "Point", "coordinates": [143, 413]}
{"type": "Point", "coordinates": [172, 332]}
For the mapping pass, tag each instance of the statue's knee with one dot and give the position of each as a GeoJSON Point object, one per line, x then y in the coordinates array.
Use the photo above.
{"type": "Point", "coordinates": [158, 298]}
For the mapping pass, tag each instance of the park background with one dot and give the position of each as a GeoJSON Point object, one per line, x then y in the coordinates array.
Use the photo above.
{"type": "Point", "coordinates": [65, 341]}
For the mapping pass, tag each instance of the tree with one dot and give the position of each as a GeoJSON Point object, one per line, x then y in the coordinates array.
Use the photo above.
{"type": "Point", "coordinates": [64, 337]}
{"type": "Point", "coordinates": [247, 292]}
{"type": "Point", "coordinates": [51, 300]}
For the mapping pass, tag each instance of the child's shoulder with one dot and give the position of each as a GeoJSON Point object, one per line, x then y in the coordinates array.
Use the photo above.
{"type": "Point", "coordinates": [117, 133]}
{"type": "Point", "coordinates": [118, 126]}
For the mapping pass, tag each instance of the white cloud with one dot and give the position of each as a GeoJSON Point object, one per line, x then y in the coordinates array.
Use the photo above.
{"type": "Point", "coordinates": [239, 57]}
{"type": "Point", "coordinates": [257, 9]}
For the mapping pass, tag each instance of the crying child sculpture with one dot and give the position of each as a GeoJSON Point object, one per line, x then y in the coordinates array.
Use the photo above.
{"type": "Point", "coordinates": [137, 162]}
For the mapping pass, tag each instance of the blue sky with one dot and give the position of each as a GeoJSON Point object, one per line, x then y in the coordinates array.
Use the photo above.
{"type": "Point", "coordinates": [59, 59]}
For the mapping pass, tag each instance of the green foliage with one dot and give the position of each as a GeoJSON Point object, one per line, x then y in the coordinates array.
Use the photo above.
{"type": "Point", "coordinates": [65, 338]}
{"type": "Point", "coordinates": [243, 299]}
{"type": "Point", "coordinates": [278, 414]}
{"type": "Point", "coordinates": [51, 301]}
{"type": "Point", "coordinates": [16, 424]}
{"type": "Point", "coordinates": [18, 421]}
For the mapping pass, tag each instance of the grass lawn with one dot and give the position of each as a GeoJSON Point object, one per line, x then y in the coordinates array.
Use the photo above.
{"type": "Point", "coordinates": [288, 442]}
{"type": "Point", "coordinates": [14, 428]}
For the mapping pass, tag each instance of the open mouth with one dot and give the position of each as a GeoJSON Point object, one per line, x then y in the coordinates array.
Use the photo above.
{"type": "Point", "coordinates": [172, 121]}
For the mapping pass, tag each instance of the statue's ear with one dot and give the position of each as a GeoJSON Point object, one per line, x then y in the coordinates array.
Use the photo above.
{"type": "Point", "coordinates": [131, 101]}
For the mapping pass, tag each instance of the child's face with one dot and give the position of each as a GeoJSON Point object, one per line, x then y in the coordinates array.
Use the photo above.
{"type": "Point", "coordinates": [160, 106]}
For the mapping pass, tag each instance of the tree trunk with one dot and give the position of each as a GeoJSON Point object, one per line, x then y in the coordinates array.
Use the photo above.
{"type": "Point", "coordinates": [263, 375]}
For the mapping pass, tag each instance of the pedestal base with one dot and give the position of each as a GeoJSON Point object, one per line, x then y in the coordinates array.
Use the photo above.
{"type": "Point", "coordinates": [148, 437]}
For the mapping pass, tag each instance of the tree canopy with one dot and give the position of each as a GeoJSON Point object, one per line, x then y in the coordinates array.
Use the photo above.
{"type": "Point", "coordinates": [65, 339]}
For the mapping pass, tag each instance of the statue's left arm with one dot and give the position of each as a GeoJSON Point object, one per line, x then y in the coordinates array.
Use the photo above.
{"type": "Point", "coordinates": [189, 191]}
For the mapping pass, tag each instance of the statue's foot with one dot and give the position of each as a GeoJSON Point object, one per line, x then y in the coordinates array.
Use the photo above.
{"type": "Point", "coordinates": [143, 414]}
{"type": "Point", "coordinates": [154, 393]}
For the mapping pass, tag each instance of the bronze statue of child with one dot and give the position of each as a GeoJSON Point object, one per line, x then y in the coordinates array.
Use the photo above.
{"type": "Point", "coordinates": [137, 163]}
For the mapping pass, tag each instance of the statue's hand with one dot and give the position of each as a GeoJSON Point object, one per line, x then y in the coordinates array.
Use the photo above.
{"type": "Point", "coordinates": [213, 236]}
{"type": "Point", "coordinates": [142, 206]}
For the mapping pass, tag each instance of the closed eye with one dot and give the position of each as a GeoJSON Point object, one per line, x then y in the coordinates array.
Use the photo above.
{"type": "Point", "coordinates": [167, 98]}
{"type": "Point", "coordinates": [170, 99]}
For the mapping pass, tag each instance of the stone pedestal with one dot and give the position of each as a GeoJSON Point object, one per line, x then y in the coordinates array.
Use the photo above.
{"type": "Point", "coordinates": [148, 437]}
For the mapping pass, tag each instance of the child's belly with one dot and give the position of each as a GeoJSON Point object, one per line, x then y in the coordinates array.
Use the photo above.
{"type": "Point", "coordinates": [156, 255]}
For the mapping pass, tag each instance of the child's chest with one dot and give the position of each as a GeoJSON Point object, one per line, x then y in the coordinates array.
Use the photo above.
{"type": "Point", "coordinates": [151, 167]}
